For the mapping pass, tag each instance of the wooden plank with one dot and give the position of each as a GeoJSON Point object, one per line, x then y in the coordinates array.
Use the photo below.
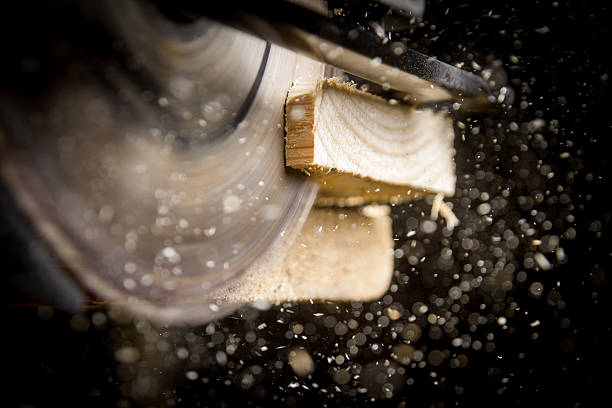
{"type": "Point", "coordinates": [393, 151]}
{"type": "Point", "coordinates": [340, 254]}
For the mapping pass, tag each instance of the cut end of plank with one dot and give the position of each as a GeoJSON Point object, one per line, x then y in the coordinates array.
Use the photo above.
{"type": "Point", "coordinates": [333, 129]}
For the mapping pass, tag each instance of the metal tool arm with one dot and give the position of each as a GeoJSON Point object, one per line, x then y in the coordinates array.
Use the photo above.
{"type": "Point", "coordinates": [353, 48]}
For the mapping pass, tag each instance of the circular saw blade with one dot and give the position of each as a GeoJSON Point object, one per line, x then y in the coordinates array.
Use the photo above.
{"type": "Point", "coordinates": [153, 164]}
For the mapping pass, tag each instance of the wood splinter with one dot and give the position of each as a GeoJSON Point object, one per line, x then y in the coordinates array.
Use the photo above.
{"type": "Point", "coordinates": [364, 148]}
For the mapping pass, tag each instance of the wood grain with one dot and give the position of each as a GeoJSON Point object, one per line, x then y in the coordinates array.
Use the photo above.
{"type": "Point", "coordinates": [333, 129]}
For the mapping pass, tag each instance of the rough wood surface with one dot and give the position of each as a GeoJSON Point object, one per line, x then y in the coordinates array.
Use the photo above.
{"type": "Point", "coordinates": [340, 254]}
{"type": "Point", "coordinates": [333, 128]}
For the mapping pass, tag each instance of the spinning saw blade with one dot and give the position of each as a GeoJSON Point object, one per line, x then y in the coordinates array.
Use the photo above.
{"type": "Point", "coordinates": [155, 168]}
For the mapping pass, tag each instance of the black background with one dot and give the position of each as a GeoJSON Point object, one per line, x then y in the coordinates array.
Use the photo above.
{"type": "Point", "coordinates": [562, 72]}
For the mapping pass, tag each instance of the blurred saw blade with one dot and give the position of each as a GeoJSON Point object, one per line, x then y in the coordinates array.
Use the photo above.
{"type": "Point", "coordinates": [150, 155]}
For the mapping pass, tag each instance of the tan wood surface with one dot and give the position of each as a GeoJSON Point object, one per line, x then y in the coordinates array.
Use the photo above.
{"type": "Point", "coordinates": [340, 254]}
{"type": "Point", "coordinates": [392, 151]}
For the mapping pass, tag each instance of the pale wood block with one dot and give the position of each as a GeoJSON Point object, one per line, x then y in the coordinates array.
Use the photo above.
{"type": "Point", "coordinates": [340, 254]}
{"type": "Point", "coordinates": [393, 151]}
